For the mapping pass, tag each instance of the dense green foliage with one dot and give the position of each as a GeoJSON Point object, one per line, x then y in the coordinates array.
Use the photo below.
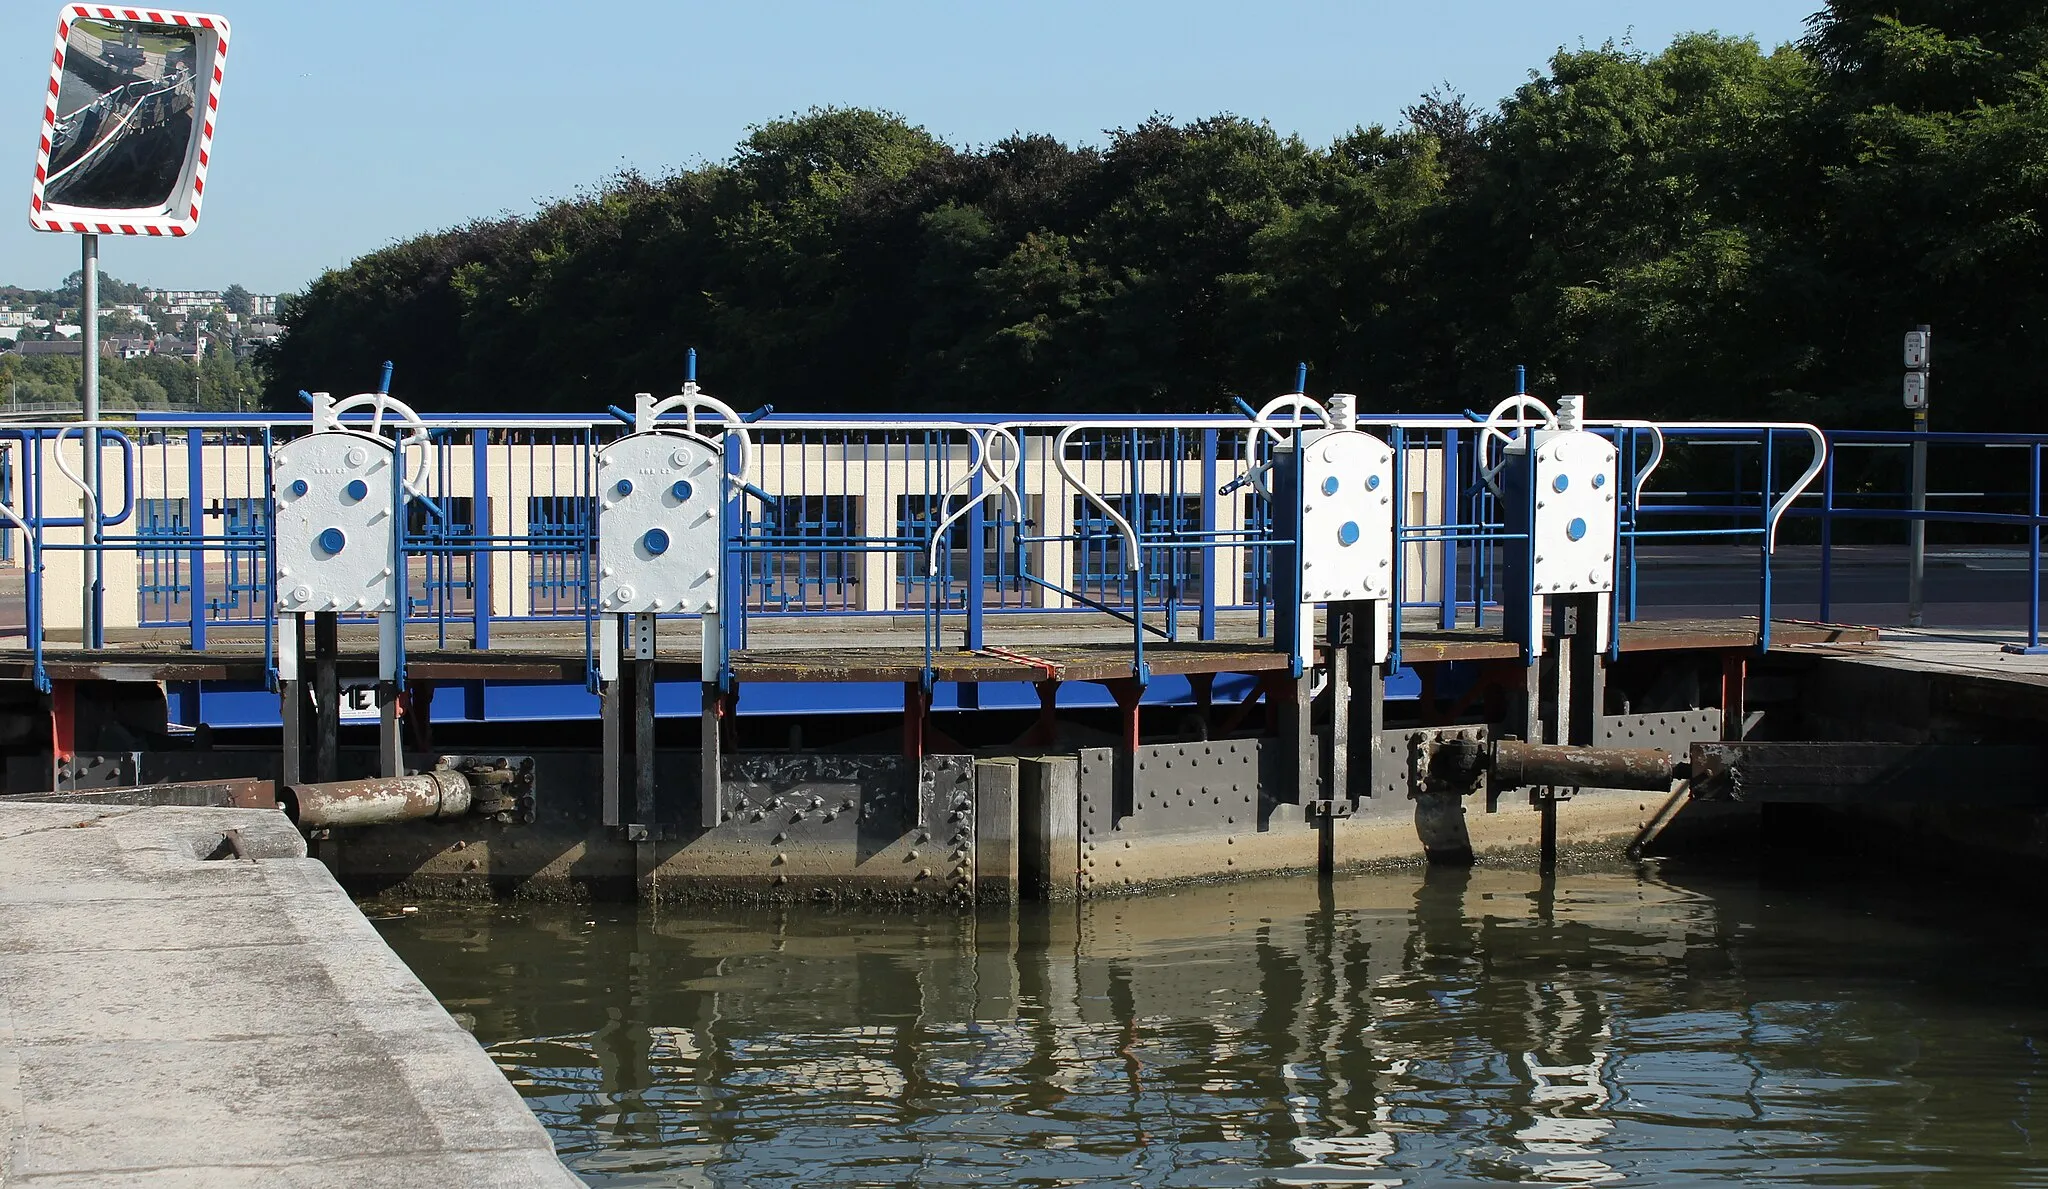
{"type": "Point", "coordinates": [1708, 230]}
{"type": "Point", "coordinates": [219, 384]}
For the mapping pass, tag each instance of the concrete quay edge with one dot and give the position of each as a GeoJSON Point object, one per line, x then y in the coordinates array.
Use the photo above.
{"type": "Point", "coordinates": [169, 1018]}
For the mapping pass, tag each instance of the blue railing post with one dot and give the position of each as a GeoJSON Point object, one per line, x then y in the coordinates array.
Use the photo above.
{"type": "Point", "coordinates": [1763, 624]}
{"type": "Point", "coordinates": [1627, 477]}
{"type": "Point", "coordinates": [1482, 506]}
{"type": "Point", "coordinates": [480, 531]}
{"type": "Point", "coordinates": [1827, 538]}
{"type": "Point", "coordinates": [1398, 441]}
{"type": "Point", "coordinates": [977, 565]}
{"type": "Point", "coordinates": [1448, 583]}
{"type": "Point", "coordinates": [195, 528]}
{"type": "Point", "coordinates": [732, 568]}
{"type": "Point", "coordinates": [1172, 527]}
{"type": "Point", "coordinates": [2034, 546]}
{"type": "Point", "coordinates": [401, 601]}
{"type": "Point", "coordinates": [268, 590]}
{"type": "Point", "coordinates": [1205, 626]}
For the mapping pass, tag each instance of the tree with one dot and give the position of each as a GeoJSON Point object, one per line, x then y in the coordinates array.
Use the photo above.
{"type": "Point", "coordinates": [1713, 229]}
{"type": "Point", "coordinates": [236, 300]}
{"type": "Point", "coordinates": [111, 289]}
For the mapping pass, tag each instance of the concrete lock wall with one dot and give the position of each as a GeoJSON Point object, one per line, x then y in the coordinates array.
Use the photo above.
{"type": "Point", "coordinates": [1095, 823]}
{"type": "Point", "coordinates": [1050, 827]}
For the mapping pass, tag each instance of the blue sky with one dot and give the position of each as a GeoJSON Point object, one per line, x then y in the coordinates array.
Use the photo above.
{"type": "Point", "coordinates": [346, 126]}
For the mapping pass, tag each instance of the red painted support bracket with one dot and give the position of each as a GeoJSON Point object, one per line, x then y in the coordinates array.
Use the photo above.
{"type": "Point", "coordinates": [1046, 731]}
{"type": "Point", "coordinates": [1128, 693]}
{"type": "Point", "coordinates": [728, 710]}
{"type": "Point", "coordinates": [917, 706]}
{"type": "Point", "coordinates": [1734, 694]}
{"type": "Point", "coordinates": [63, 720]}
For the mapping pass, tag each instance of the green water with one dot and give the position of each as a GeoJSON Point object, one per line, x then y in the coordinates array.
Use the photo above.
{"type": "Point", "coordinates": [1470, 1027]}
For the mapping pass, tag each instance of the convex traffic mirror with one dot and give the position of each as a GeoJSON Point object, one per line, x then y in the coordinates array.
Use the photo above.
{"type": "Point", "coordinates": [128, 121]}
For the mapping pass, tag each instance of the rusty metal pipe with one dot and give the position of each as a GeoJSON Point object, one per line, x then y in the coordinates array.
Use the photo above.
{"type": "Point", "coordinates": [1517, 764]}
{"type": "Point", "coordinates": [378, 802]}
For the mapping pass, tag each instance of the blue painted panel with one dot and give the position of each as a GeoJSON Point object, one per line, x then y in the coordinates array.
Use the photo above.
{"type": "Point", "coordinates": [237, 704]}
{"type": "Point", "coordinates": [246, 705]}
{"type": "Point", "coordinates": [538, 701]}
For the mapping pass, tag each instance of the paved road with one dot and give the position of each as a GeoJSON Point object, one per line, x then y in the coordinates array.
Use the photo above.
{"type": "Point", "coordinates": [1981, 587]}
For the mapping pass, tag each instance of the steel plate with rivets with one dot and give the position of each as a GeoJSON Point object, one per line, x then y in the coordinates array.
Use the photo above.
{"type": "Point", "coordinates": [808, 821]}
{"type": "Point", "coordinates": [1674, 730]}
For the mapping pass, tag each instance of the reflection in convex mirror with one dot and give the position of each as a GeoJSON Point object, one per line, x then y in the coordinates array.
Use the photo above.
{"type": "Point", "coordinates": [128, 132]}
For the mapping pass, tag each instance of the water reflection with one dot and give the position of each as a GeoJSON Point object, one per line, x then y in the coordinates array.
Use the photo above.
{"type": "Point", "coordinates": [1473, 1026]}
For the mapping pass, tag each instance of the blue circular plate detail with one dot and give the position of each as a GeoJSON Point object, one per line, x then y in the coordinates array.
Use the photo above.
{"type": "Point", "coordinates": [1560, 483]}
{"type": "Point", "coordinates": [656, 541]}
{"type": "Point", "coordinates": [682, 490]}
{"type": "Point", "coordinates": [1330, 485]}
{"type": "Point", "coordinates": [623, 487]}
{"type": "Point", "coordinates": [1348, 532]}
{"type": "Point", "coordinates": [1576, 530]}
{"type": "Point", "coordinates": [332, 539]}
{"type": "Point", "coordinates": [357, 489]}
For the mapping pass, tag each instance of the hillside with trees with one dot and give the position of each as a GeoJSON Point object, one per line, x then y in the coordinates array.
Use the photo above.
{"type": "Point", "coordinates": [1710, 229]}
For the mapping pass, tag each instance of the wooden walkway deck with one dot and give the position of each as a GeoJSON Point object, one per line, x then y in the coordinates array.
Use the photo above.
{"type": "Point", "coordinates": [871, 652]}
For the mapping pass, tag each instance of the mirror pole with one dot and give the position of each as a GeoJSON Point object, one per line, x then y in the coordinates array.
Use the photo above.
{"type": "Point", "coordinates": [89, 443]}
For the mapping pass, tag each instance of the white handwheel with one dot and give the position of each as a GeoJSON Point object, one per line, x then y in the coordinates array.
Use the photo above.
{"type": "Point", "coordinates": [1255, 474]}
{"type": "Point", "coordinates": [690, 400]}
{"type": "Point", "coordinates": [1491, 432]}
{"type": "Point", "coordinates": [414, 437]}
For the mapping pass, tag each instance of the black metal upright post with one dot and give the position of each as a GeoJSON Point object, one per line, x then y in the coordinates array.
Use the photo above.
{"type": "Point", "coordinates": [291, 696]}
{"type": "Point", "coordinates": [1340, 631]}
{"type": "Point", "coordinates": [326, 696]}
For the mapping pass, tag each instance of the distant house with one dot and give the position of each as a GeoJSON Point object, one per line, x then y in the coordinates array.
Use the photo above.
{"type": "Point", "coordinates": [51, 347]}
{"type": "Point", "coordinates": [202, 298]}
{"type": "Point", "coordinates": [181, 348]}
{"type": "Point", "coordinates": [125, 348]}
{"type": "Point", "coordinates": [69, 331]}
{"type": "Point", "coordinates": [254, 335]}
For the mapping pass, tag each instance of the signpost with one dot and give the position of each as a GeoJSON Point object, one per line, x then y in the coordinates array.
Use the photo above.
{"type": "Point", "coordinates": [127, 136]}
{"type": "Point", "coordinates": [1919, 360]}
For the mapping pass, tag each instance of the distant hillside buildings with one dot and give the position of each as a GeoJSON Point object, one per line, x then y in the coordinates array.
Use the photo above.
{"type": "Point", "coordinates": [130, 330]}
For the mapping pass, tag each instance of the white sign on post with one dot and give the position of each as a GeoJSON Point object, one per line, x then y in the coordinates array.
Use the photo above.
{"type": "Point", "coordinates": [1916, 390]}
{"type": "Point", "coordinates": [128, 121]}
{"type": "Point", "coordinates": [1918, 344]}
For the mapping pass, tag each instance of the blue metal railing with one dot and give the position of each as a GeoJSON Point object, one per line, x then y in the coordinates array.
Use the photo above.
{"type": "Point", "coordinates": [851, 509]}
